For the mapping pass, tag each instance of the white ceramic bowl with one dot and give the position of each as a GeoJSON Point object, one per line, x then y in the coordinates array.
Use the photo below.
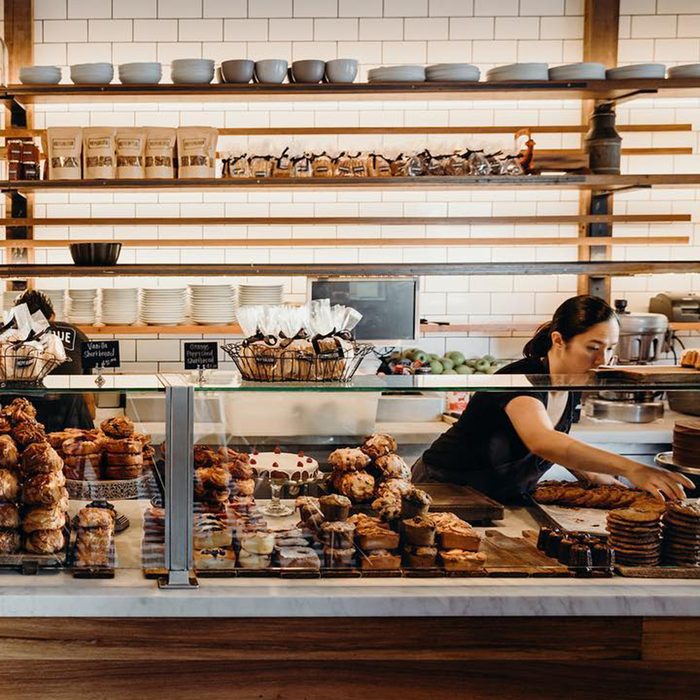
{"type": "Point", "coordinates": [639, 71]}
{"type": "Point", "coordinates": [690, 70]}
{"type": "Point", "coordinates": [40, 75]}
{"type": "Point", "coordinates": [96, 73]}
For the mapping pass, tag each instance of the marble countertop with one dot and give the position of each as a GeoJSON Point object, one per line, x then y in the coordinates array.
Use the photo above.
{"type": "Point", "coordinates": [130, 595]}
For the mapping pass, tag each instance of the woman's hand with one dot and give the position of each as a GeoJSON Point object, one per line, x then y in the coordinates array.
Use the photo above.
{"type": "Point", "coordinates": [659, 483]}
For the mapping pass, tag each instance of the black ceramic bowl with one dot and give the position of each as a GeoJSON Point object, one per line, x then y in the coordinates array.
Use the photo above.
{"type": "Point", "coordinates": [95, 254]}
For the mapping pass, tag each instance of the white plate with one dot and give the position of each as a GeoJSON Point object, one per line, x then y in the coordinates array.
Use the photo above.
{"type": "Point", "coordinates": [690, 70]}
{"type": "Point", "coordinates": [638, 71]}
{"type": "Point", "coordinates": [578, 71]}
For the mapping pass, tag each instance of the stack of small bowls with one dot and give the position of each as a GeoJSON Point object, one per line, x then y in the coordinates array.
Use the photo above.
{"type": "Point", "coordinates": [192, 71]}
{"type": "Point", "coordinates": [40, 75]}
{"type": "Point", "coordinates": [140, 73]}
{"type": "Point", "coordinates": [92, 73]}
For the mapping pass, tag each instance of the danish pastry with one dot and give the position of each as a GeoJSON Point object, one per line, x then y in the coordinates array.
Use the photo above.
{"type": "Point", "coordinates": [9, 516]}
{"type": "Point", "coordinates": [45, 489]}
{"type": "Point", "coordinates": [40, 458]}
{"type": "Point", "coordinates": [89, 518]}
{"type": "Point", "coordinates": [123, 446]}
{"type": "Point", "coordinates": [9, 541]}
{"type": "Point", "coordinates": [44, 518]}
{"type": "Point", "coordinates": [9, 486]}
{"type": "Point", "coordinates": [28, 433]}
{"type": "Point", "coordinates": [80, 445]}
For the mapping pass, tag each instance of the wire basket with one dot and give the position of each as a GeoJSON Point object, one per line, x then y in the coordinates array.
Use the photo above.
{"type": "Point", "coordinates": [24, 365]}
{"type": "Point", "coordinates": [262, 363]}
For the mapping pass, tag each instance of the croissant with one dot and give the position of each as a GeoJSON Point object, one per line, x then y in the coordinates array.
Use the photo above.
{"type": "Point", "coordinates": [45, 541]}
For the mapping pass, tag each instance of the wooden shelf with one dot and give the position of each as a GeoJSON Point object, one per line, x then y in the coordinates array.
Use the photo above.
{"type": "Point", "coordinates": [511, 90]}
{"type": "Point", "coordinates": [185, 329]}
{"type": "Point", "coordinates": [349, 220]}
{"type": "Point", "coordinates": [425, 328]}
{"type": "Point", "coordinates": [395, 242]}
{"type": "Point", "coordinates": [601, 268]}
{"type": "Point", "coordinates": [581, 182]}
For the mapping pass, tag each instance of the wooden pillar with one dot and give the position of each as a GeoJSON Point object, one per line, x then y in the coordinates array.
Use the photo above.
{"type": "Point", "coordinates": [600, 38]}
{"type": "Point", "coordinates": [19, 38]}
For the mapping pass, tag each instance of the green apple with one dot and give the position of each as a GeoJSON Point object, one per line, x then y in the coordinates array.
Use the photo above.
{"type": "Point", "coordinates": [456, 357]}
{"type": "Point", "coordinates": [436, 367]}
{"type": "Point", "coordinates": [447, 363]}
{"type": "Point", "coordinates": [482, 365]}
{"type": "Point", "coordinates": [464, 369]}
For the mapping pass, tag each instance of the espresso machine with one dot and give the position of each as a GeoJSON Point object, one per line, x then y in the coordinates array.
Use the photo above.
{"type": "Point", "coordinates": [642, 337]}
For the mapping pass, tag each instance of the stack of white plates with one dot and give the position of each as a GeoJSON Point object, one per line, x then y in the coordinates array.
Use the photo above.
{"type": "Point", "coordinates": [192, 70]}
{"type": "Point", "coordinates": [163, 307]}
{"type": "Point", "coordinates": [92, 73]}
{"type": "Point", "coordinates": [449, 72]}
{"type": "Point", "coordinates": [213, 303]}
{"type": "Point", "coordinates": [40, 75]}
{"type": "Point", "coordinates": [519, 71]}
{"type": "Point", "coordinates": [58, 301]}
{"type": "Point", "coordinates": [254, 294]}
{"type": "Point", "coordinates": [82, 306]}
{"type": "Point", "coordinates": [140, 73]}
{"type": "Point", "coordinates": [690, 70]}
{"type": "Point", "coordinates": [120, 307]}
{"type": "Point", "coordinates": [578, 71]}
{"type": "Point", "coordinates": [638, 70]}
{"type": "Point", "coordinates": [397, 74]}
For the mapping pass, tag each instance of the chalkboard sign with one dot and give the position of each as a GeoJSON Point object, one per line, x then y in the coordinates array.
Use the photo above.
{"type": "Point", "coordinates": [201, 356]}
{"type": "Point", "coordinates": [100, 353]}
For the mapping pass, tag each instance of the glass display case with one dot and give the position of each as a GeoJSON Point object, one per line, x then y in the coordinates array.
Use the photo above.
{"type": "Point", "coordinates": [82, 482]}
{"type": "Point", "coordinates": [287, 483]}
{"type": "Point", "coordinates": [179, 480]}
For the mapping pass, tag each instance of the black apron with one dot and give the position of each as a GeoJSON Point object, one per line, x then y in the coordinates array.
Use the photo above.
{"type": "Point", "coordinates": [484, 451]}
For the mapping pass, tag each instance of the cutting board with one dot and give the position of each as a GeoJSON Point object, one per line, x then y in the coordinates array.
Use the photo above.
{"type": "Point", "coordinates": [641, 373]}
{"type": "Point", "coordinates": [571, 519]}
{"type": "Point", "coordinates": [658, 571]}
{"type": "Point", "coordinates": [468, 503]}
{"type": "Point", "coordinates": [517, 556]}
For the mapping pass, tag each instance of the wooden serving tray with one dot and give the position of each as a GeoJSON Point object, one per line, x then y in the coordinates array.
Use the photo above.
{"type": "Point", "coordinates": [641, 373]}
{"type": "Point", "coordinates": [518, 556]}
{"type": "Point", "coordinates": [464, 501]}
{"type": "Point", "coordinates": [658, 571]}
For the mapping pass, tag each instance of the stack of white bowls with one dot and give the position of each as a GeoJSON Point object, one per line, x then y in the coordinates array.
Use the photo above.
{"type": "Point", "coordinates": [163, 307]}
{"type": "Point", "coordinates": [120, 307]}
{"type": "Point", "coordinates": [641, 71]}
{"type": "Point", "coordinates": [192, 70]}
{"type": "Point", "coordinates": [397, 74]}
{"type": "Point", "coordinates": [213, 303]}
{"type": "Point", "coordinates": [40, 75]}
{"type": "Point", "coordinates": [519, 71]}
{"type": "Point", "coordinates": [82, 306]}
{"type": "Point", "coordinates": [92, 73]}
{"type": "Point", "coordinates": [148, 73]}
{"type": "Point", "coordinates": [578, 71]}
{"type": "Point", "coordinates": [58, 301]}
{"type": "Point", "coordinates": [690, 70]}
{"type": "Point", "coordinates": [451, 72]}
{"type": "Point", "coordinates": [256, 294]}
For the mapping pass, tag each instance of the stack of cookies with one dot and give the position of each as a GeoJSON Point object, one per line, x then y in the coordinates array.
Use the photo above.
{"type": "Point", "coordinates": [123, 453]}
{"type": "Point", "coordinates": [635, 535]}
{"type": "Point", "coordinates": [681, 533]}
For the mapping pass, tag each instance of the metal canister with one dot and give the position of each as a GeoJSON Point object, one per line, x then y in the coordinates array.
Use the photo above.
{"type": "Point", "coordinates": [603, 143]}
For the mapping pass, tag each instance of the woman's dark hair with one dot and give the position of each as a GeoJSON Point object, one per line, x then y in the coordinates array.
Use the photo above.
{"type": "Point", "coordinates": [573, 317]}
{"type": "Point", "coordinates": [36, 301]}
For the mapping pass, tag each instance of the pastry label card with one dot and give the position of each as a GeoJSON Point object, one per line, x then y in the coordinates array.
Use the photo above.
{"type": "Point", "coordinates": [100, 353]}
{"type": "Point", "coordinates": [201, 356]}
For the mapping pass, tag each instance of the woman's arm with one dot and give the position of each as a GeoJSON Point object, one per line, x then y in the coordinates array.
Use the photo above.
{"type": "Point", "coordinates": [531, 422]}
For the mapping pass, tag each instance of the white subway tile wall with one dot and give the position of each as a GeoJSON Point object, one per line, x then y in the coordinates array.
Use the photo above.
{"type": "Point", "coordinates": [485, 32]}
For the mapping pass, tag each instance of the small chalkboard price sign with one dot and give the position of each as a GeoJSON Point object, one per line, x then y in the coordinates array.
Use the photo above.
{"type": "Point", "coordinates": [100, 353]}
{"type": "Point", "coordinates": [201, 356]}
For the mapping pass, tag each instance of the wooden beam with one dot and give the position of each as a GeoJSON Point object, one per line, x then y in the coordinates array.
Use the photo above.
{"type": "Point", "coordinates": [600, 43]}
{"type": "Point", "coordinates": [394, 242]}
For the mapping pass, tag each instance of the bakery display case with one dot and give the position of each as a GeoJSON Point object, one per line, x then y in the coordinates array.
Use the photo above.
{"type": "Point", "coordinates": [300, 480]}
{"type": "Point", "coordinates": [80, 488]}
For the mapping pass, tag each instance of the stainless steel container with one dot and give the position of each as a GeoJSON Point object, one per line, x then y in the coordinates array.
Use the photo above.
{"type": "Point", "coordinates": [625, 411]}
{"type": "Point", "coordinates": [642, 336]}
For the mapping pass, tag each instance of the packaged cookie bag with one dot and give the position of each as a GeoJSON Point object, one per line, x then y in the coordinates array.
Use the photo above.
{"type": "Point", "coordinates": [131, 152]}
{"type": "Point", "coordinates": [99, 153]}
{"type": "Point", "coordinates": [160, 152]}
{"type": "Point", "coordinates": [65, 145]}
{"type": "Point", "coordinates": [196, 151]}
